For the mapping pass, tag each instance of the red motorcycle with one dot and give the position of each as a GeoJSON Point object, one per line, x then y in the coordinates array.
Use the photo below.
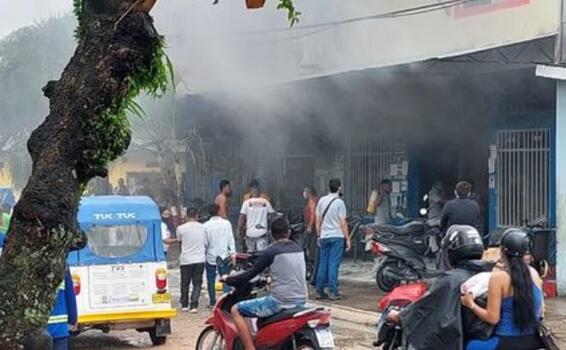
{"type": "Point", "coordinates": [291, 329]}
{"type": "Point", "coordinates": [389, 335]}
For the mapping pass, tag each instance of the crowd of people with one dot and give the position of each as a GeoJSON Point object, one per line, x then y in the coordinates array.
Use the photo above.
{"type": "Point", "coordinates": [325, 237]}
{"type": "Point", "coordinates": [203, 243]}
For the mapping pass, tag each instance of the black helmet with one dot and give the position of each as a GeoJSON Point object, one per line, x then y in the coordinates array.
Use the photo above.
{"type": "Point", "coordinates": [515, 242]}
{"type": "Point", "coordinates": [463, 243]}
{"type": "Point", "coordinates": [495, 237]}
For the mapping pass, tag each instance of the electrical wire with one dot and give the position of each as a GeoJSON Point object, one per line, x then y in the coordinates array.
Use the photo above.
{"type": "Point", "coordinates": [443, 5]}
{"type": "Point", "coordinates": [395, 14]}
{"type": "Point", "coordinates": [321, 27]}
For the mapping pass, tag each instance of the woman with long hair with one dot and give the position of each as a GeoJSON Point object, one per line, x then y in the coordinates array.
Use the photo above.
{"type": "Point", "coordinates": [514, 302]}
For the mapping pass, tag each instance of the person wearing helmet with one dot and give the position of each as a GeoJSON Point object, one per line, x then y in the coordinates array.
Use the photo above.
{"type": "Point", "coordinates": [515, 301]}
{"type": "Point", "coordinates": [442, 328]}
{"type": "Point", "coordinates": [463, 243]}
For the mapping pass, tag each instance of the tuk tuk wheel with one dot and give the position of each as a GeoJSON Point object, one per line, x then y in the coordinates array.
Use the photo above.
{"type": "Point", "coordinates": [155, 339]}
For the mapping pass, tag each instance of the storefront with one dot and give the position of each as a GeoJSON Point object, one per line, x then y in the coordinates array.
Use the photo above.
{"type": "Point", "coordinates": [446, 94]}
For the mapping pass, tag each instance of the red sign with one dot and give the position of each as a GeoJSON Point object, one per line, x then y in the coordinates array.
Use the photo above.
{"type": "Point", "coordinates": [474, 8]}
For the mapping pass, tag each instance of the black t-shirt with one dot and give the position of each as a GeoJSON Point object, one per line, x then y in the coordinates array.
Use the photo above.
{"type": "Point", "coordinates": [460, 212]}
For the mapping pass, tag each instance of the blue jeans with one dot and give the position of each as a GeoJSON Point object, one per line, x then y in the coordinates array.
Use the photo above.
{"type": "Point", "coordinates": [330, 257]}
{"type": "Point", "coordinates": [263, 307]}
{"type": "Point", "coordinates": [60, 343]}
{"type": "Point", "coordinates": [211, 280]}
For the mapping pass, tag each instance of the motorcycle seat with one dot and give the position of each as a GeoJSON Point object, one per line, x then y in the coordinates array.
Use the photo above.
{"type": "Point", "coordinates": [414, 227]}
{"type": "Point", "coordinates": [283, 315]}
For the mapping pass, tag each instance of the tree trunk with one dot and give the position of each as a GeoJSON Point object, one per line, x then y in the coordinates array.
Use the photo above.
{"type": "Point", "coordinates": [74, 143]}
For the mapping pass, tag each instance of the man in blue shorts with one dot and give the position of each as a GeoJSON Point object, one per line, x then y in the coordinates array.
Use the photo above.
{"type": "Point", "coordinates": [286, 261]}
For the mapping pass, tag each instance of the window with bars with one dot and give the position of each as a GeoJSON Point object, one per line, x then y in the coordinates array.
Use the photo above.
{"type": "Point", "coordinates": [369, 161]}
{"type": "Point", "coordinates": [522, 176]}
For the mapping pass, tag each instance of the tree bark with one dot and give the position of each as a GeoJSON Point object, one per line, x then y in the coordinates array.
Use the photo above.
{"type": "Point", "coordinates": [69, 148]}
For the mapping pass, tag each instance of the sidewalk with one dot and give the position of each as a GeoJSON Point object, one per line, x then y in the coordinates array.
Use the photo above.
{"type": "Point", "coordinates": [556, 317]}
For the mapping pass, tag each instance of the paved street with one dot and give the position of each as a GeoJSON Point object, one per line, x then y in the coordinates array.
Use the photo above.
{"type": "Point", "coordinates": [187, 327]}
{"type": "Point", "coordinates": [358, 334]}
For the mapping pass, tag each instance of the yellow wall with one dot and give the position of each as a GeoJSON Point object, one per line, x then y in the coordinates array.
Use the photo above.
{"type": "Point", "coordinates": [5, 178]}
{"type": "Point", "coordinates": [131, 163]}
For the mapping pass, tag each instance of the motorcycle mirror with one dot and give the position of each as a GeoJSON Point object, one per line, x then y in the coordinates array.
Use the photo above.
{"type": "Point", "coordinates": [425, 198]}
{"type": "Point", "coordinates": [423, 211]}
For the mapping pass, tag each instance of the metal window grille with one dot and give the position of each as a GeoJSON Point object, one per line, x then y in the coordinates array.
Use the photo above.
{"type": "Point", "coordinates": [522, 175]}
{"type": "Point", "coordinates": [368, 162]}
{"type": "Point", "coordinates": [360, 165]}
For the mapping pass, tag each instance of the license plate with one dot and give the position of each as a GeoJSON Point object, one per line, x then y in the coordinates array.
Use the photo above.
{"type": "Point", "coordinates": [161, 298]}
{"type": "Point", "coordinates": [118, 286]}
{"type": "Point", "coordinates": [325, 338]}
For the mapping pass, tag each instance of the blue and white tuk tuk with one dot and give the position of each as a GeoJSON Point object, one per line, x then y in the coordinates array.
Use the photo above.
{"type": "Point", "coordinates": [120, 277]}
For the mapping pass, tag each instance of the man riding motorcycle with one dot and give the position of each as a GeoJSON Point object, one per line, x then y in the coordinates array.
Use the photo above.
{"type": "Point", "coordinates": [286, 262]}
{"type": "Point", "coordinates": [435, 321]}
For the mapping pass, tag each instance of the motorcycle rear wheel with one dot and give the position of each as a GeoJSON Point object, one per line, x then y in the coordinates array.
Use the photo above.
{"type": "Point", "coordinates": [306, 344]}
{"type": "Point", "coordinates": [218, 341]}
{"type": "Point", "coordinates": [384, 282]}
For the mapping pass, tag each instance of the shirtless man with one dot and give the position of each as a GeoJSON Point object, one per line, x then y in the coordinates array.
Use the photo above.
{"type": "Point", "coordinates": [223, 199]}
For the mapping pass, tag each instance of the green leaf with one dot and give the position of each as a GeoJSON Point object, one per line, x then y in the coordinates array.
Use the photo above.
{"type": "Point", "coordinates": [292, 14]}
{"type": "Point", "coordinates": [134, 107]}
{"type": "Point", "coordinates": [171, 72]}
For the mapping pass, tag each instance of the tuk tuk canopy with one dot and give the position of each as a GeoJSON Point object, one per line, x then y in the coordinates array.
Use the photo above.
{"type": "Point", "coordinates": [120, 229]}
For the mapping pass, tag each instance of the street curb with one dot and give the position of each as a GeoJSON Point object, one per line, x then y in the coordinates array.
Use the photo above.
{"type": "Point", "coordinates": [349, 314]}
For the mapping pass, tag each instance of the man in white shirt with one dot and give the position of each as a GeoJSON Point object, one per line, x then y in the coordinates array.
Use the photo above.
{"type": "Point", "coordinates": [332, 229]}
{"type": "Point", "coordinates": [192, 236]}
{"type": "Point", "coordinates": [219, 244]}
{"type": "Point", "coordinates": [254, 215]}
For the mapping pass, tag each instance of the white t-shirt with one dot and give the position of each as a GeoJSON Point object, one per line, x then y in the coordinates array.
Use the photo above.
{"type": "Point", "coordinates": [165, 234]}
{"type": "Point", "coordinates": [193, 239]}
{"type": "Point", "coordinates": [256, 211]}
{"type": "Point", "coordinates": [219, 239]}
{"type": "Point", "coordinates": [330, 226]}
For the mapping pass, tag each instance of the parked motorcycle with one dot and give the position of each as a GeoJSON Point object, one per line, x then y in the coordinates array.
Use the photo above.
{"type": "Point", "coordinates": [407, 252]}
{"type": "Point", "coordinates": [291, 329]}
{"type": "Point", "coordinates": [389, 335]}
